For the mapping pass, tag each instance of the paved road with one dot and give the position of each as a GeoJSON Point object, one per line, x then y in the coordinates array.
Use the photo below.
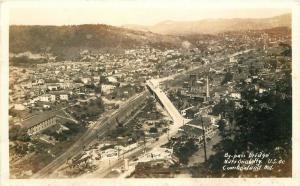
{"type": "Point", "coordinates": [168, 105]}
{"type": "Point", "coordinates": [99, 128]}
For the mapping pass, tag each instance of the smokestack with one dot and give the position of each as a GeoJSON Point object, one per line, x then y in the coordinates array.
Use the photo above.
{"type": "Point", "coordinates": [207, 89]}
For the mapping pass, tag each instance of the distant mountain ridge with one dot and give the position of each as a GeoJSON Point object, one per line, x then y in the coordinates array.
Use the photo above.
{"type": "Point", "coordinates": [214, 26]}
{"type": "Point", "coordinates": [69, 40]}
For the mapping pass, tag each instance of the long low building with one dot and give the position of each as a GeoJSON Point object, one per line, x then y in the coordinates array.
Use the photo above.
{"type": "Point", "coordinates": [39, 122]}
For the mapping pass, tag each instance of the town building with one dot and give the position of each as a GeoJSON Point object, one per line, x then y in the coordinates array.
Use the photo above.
{"type": "Point", "coordinates": [64, 97]}
{"type": "Point", "coordinates": [39, 122]}
{"type": "Point", "coordinates": [47, 98]}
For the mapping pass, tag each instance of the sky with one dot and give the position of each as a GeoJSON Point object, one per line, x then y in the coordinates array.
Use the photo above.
{"type": "Point", "coordinates": [146, 12]}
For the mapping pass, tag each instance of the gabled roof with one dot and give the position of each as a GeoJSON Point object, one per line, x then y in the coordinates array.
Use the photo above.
{"type": "Point", "coordinates": [36, 119]}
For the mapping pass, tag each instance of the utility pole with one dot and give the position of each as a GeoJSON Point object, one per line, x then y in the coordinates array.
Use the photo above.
{"type": "Point", "coordinates": [144, 144]}
{"type": "Point", "coordinates": [204, 140]}
{"type": "Point", "coordinates": [232, 124]}
{"type": "Point", "coordinates": [168, 133]}
{"type": "Point", "coordinates": [109, 164]}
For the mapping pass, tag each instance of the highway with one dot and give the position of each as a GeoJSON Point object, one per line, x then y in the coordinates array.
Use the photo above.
{"type": "Point", "coordinates": [168, 105]}
{"type": "Point", "coordinates": [99, 128]}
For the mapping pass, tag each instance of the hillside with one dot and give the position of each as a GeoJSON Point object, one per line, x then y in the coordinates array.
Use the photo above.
{"type": "Point", "coordinates": [213, 26]}
{"type": "Point", "coordinates": [67, 41]}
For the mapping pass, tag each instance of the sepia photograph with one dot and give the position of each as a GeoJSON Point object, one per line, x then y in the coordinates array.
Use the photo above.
{"type": "Point", "coordinates": [136, 89]}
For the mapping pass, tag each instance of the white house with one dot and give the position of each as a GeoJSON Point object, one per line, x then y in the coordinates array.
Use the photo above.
{"type": "Point", "coordinates": [232, 59]}
{"type": "Point", "coordinates": [262, 90]}
{"type": "Point", "coordinates": [235, 95]}
{"type": "Point", "coordinates": [96, 78]}
{"type": "Point", "coordinates": [52, 87]}
{"type": "Point", "coordinates": [47, 98]}
{"type": "Point", "coordinates": [106, 89]}
{"type": "Point", "coordinates": [64, 97]}
{"type": "Point", "coordinates": [19, 107]}
{"type": "Point", "coordinates": [86, 80]}
{"type": "Point", "coordinates": [112, 79]}
{"type": "Point", "coordinates": [40, 82]}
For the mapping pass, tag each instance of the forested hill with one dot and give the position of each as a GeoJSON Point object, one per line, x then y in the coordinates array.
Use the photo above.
{"type": "Point", "coordinates": [67, 40]}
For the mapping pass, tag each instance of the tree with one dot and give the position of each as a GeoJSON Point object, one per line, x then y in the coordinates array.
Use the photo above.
{"type": "Point", "coordinates": [228, 77]}
{"type": "Point", "coordinates": [98, 89]}
{"type": "Point", "coordinates": [183, 152]}
{"type": "Point", "coordinates": [153, 130]}
{"type": "Point", "coordinates": [261, 125]}
{"type": "Point", "coordinates": [14, 132]}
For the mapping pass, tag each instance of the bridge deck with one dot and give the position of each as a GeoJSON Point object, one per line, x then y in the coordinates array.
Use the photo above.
{"type": "Point", "coordinates": [168, 105]}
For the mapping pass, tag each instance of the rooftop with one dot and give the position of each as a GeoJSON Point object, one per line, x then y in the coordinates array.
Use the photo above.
{"type": "Point", "coordinates": [36, 119]}
{"type": "Point", "coordinates": [197, 121]}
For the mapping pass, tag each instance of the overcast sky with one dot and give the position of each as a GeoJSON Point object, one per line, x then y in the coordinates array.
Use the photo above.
{"type": "Point", "coordinates": [146, 12]}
